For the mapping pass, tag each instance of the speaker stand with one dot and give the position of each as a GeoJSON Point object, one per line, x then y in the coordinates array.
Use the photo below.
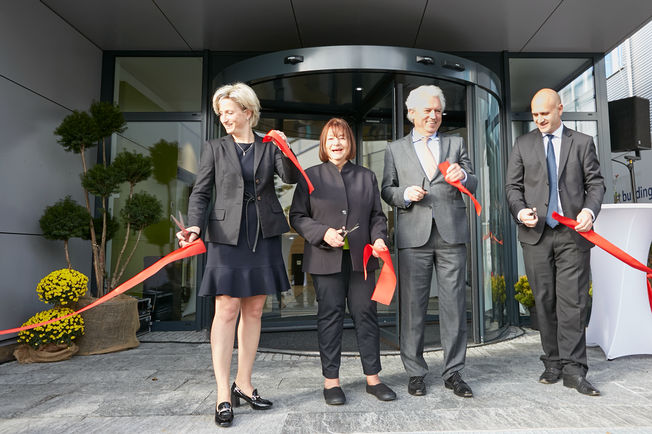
{"type": "Point", "coordinates": [630, 166]}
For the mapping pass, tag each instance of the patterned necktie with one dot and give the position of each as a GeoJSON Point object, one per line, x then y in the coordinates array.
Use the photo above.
{"type": "Point", "coordinates": [430, 162]}
{"type": "Point", "coordinates": [553, 206]}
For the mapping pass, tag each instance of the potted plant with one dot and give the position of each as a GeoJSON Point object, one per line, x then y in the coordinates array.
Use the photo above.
{"type": "Point", "coordinates": [524, 296]}
{"type": "Point", "coordinates": [110, 326]}
{"type": "Point", "coordinates": [56, 341]}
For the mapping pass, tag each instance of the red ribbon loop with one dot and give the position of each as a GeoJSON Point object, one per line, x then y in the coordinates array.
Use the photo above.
{"type": "Point", "coordinates": [195, 248]}
{"type": "Point", "coordinates": [285, 149]}
{"type": "Point", "coordinates": [443, 168]}
{"type": "Point", "coordinates": [384, 290]}
{"type": "Point", "coordinates": [609, 248]}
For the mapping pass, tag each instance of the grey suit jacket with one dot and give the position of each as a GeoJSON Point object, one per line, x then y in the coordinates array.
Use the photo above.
{"type": "Point", "coordinates": [220, 172]}
{"type": "Point", "coordinates": [580, 183]}
{"type": "Point", "coordinates": [339, 199]}
{"type": "Point", "coordinates": [443, 202]}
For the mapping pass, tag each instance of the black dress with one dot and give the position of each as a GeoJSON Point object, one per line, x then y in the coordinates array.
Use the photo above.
{"type": "Point", "coordinates": [255, 265]}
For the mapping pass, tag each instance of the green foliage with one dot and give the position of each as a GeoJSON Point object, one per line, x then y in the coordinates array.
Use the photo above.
{"type": "Point", "coordinates": [112, 226]}
{"type": "Point", "coordinates": [523, 292]}
{"type": "Point", "coordinates": [141, 210]}
{"type": "Point", "coordinates": [132, 167]}
{"type": "Point", "coordinates": [64, 220]}
{"type": "Point", "coordinates": [108, 119]}
{"type": "Point", "coordinates": [498, 294]}
{"type": "Point", "coordinates": [164, 158]}
{"type": "Point", "coordinates": [77, 131]}
{"type": "Point", "coordinates": [101, 181]}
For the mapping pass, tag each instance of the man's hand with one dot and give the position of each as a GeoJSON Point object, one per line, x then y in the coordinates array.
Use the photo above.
{"type": "Point", "coordinates": [333, 238]}
{"type": "Point", "coordinates": [187, 237]}
{"type": "Point", "coordinates": [584, 220]}
{"type": "Point", "coordinates": [379, 245]}
{"type": "Point", "coordinates": [528, 216]}
{"type": "Point", "coordinates": [454, 173]}
{"type": "Point", "coordinates": [414, 193]}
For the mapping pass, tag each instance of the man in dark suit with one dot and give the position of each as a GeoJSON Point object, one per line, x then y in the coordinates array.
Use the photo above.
{"type": "Point", "coordinates": [432, 230]}
{"type": "Point", "coordinates": [554, 168]}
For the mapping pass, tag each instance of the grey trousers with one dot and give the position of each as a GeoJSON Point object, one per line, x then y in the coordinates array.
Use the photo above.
{"type": "Point", "coordinates": [415, 274]}
{"type": "Point", "coordinates": [558, 273]}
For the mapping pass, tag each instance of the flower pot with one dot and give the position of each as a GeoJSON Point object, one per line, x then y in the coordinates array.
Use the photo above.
{"type": "Point", "coordinates": [110, 326]}
{"type": "Point", "coordinates": [534, 322]}
{"type": "Point", "coordinates": [46, 353]}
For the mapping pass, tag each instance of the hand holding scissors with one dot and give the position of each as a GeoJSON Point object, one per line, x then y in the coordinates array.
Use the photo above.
{"type": "Point", "coordinates": [185, 235]}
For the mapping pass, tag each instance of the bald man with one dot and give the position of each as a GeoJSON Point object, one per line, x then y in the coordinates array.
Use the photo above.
{"type": "Point", "coordinates": [554, 168]}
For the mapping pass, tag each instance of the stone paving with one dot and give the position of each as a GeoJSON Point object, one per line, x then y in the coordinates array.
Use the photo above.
{"type": "Point", "coordinates": [167, 387]}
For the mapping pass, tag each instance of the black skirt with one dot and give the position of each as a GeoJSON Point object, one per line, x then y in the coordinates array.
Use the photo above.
{"type": "Point", "coordinates": [255, 265]}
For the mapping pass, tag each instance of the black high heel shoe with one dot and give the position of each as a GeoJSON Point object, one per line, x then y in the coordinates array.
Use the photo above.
{"type": "Point", "coordinates": [255, 401]}
{"type": "Point", "coordinates": [224, 414]}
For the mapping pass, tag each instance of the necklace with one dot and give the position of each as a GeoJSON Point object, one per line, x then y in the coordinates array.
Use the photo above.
{"type": "Point", "coordinates": [244, 151]}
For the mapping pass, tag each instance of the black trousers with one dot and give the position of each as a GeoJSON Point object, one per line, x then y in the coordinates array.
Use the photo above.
{"type": "Point", "coordinates": [558, 272]}
{"type": "Point", "coordinates": [333, 291]}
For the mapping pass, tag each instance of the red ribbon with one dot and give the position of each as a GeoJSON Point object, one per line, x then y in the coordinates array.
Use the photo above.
{"type": "Point", "coordinates": [384, 290]}
{"type": "Point", "coordinates": [283, 146]}
{"type": "Point", "coordinates": [609, 248]}
{"type": "Point", "coordinates": [443, 168]}
{"type": "Point", "coordinates": [195, 248]}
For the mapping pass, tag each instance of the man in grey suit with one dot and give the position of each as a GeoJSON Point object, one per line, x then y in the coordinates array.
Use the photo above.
{"type": "Point", "coordinates": [554, 168]}
{"type": "Point", "coordinates": [432, 230]}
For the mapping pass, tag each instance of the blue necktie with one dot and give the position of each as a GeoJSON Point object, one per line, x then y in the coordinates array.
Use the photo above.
{"type": "Point", "coordinates": [552, 183]}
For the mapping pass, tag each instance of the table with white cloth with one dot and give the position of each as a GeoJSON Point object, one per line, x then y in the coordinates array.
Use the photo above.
{"type": "Point", "coordinates": [621, 319]}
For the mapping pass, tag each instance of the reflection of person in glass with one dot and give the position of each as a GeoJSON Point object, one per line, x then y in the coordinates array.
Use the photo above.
{"type": "Point", "coordinates": [337, 220]}
{"type": "Point", "coordinates": [244, 259]}
{"type": "Point", "coordinates": [432, 230]}
{"type": "Point", "coordinates": [554, 168]}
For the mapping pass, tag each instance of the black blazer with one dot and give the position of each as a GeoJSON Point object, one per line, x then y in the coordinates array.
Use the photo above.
{"type": "Point", "coordinates": [580, 183]}
{"type": "Point", "coordinates": [220, 172]}
{"type": "Point", "coordinates": [339, 199]}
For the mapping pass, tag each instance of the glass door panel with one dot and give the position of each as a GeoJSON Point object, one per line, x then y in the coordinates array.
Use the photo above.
{"type": "Point", "coordinates": [175, 149]}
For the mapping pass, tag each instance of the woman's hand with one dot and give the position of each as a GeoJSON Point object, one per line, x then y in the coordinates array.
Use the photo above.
{"type": "Point", "coordinates": [282, 134]}
{"type": "Point", "coordinates": [379, 246]}
{"type": "Point", "coordinates": [192, 233]}
{"type": "Point", "coordinates": [333, 238]}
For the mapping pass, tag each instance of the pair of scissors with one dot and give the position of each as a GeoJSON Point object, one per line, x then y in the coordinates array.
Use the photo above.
{"type": "Point", "coordinates": [345, 232]}
{"type": "Point", "coordinates": [180, 224]}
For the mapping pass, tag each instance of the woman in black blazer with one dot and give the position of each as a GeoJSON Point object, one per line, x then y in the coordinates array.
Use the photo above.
{"type": "Point", "coordinates": [346, 196]}
{"type": "Point", "coordinates": [244, 227]}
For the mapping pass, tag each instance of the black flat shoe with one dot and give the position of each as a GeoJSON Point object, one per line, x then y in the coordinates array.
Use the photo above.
{"type": "Point", "coordinates": [580, 383]}
{"type": "Point", "coordinates": [381, 391]}
{"type": "Point", "coordinates": [255, 401]}
{"type": "Point", "coordinates": [459, 387]}
{"type": "Point", "coordinates": [224, 414]}
{"type": "Point", "coordinates": [334, 396]}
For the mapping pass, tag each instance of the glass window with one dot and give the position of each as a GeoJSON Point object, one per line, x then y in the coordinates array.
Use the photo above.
{"type": "Point", "coordinates": [175, 149]}
{"type": "Point", "coordinates": [158, 84]}
{"type": "Point", "coordinates": [579, 94]}
{"type": "Point", "coordinates": [613, 61]}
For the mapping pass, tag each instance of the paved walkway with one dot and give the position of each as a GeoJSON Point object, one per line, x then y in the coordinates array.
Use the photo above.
{"type": "Point", "coordinates": [167, 387]}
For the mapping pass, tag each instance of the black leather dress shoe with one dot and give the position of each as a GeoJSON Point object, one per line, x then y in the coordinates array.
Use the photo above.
{"type": "Point", "coordinates": [255, 401]}
{"type": "Point", "coordinates": [579, 383]}
{"type": "Point", "coordinates": [459, 387]}
{"type": "Point", "coordinates": [416, 386]}
{"type": "Point", "coordinates": [382, 392]}
{"type": "Point", "coordinates": [224, 414]}
{"type": "Point", "coordinates": [550, 375]}
{"type": "Point", "coordinates": [334, 396]}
